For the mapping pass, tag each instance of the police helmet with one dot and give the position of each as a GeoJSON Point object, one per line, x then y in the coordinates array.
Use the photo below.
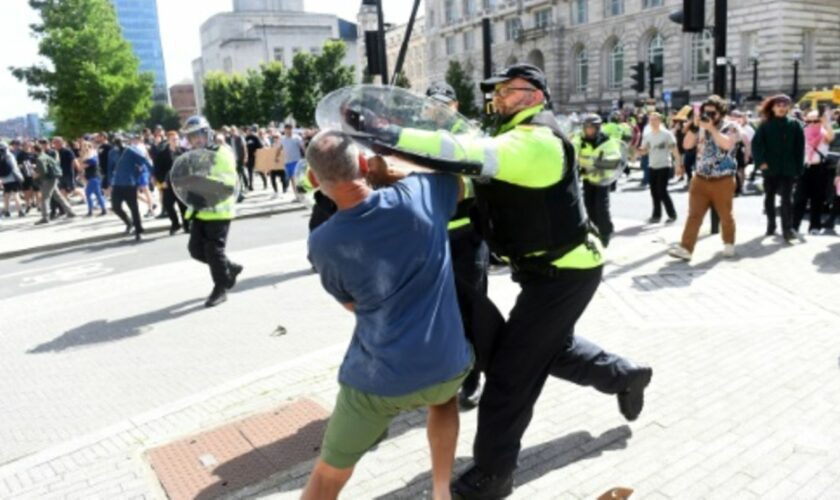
{"type": "Point", "coordinates": [441, 91]}
{"type": "Point", "coordinates": [197, 126]}
{"type": "Point", "coordinates": [592, 120]}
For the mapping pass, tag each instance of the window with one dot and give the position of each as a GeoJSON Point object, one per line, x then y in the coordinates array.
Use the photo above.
{"type": "Point", "coordinates": [431, 18]}
{"type": "Point", "coordinates": [808, 49]}
{"type": "Point", "coordinates": [469, 8]}
{"type": "Point", "coordinates": [228, 65]}
{"type": "Point", "coordinates": [449, 15]}
{"type": "Point", "coordinates": [279, 54]}
{"type": "Point", "coordinates": [450, 45]}
{"type": "Point", "coordinates": [512, 28]}
{"type": "Point", "coordinates": [614, 8]}
{"type": "Point", "coordinates": [579, 11]}
{"type": "Point", "coordinates": [469, 40]}
{"type": "Point", "coordinates": [615, 67]}
{"type": "Point", "coordinates": [656, 56]}
{"type": "Point", "coordinates": [542, 18]}
{"type": "Point", "coordinates": [315, 51]}
{"type": "Point", "coordinates": [701, 57]}
{"type": "Point", "coordinates": [488, 5]}
{"type": "Point", "coordinates": [581, 70]}
{"type": "Point", "coordinates": [295, 51]}
{"type": "Point", "coordinates": [647, 4]}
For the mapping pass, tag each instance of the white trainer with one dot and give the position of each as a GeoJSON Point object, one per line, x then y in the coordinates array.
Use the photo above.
{"type": "Point", "coordinates": [728, 250]}
{"type": "Point", "coordinates": [680, 252]}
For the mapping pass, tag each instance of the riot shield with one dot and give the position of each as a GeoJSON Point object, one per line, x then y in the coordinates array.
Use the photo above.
{"type": "Point", "coordinates": [194, 183]}
{"type": "Point", "coordinates": [373, 115]}
{"type": "Point", "coordinates": [604, 171]}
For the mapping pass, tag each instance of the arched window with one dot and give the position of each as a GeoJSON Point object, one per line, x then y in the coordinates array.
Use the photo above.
{"type": "Point", "coordinates": [615, 66]}
{"type": "Point", "coordinates": [656, 56]}
{"type": "Point", "coordinates": [581, 70]}
{"type": "Point", "coordinates": [701, 56]}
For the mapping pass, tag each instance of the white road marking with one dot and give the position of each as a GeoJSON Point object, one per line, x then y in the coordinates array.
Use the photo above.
{"type": "Point", "coordinates": [68, 264]}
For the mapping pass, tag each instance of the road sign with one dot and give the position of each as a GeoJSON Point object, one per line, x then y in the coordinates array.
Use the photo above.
{"type": "Point", "coordinates": [666, 96]}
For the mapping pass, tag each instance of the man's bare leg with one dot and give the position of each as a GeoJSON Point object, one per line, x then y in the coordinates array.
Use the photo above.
{"type": "Point", "coordinates": [326, 482]}
{"type": "Point", "coordinates": [442, 432]}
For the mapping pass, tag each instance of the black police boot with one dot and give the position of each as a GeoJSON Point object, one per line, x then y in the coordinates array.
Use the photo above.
{"type": "Point", "coordinates": [632, 399]}
{"type": "Point", "coordinates": [471, 390]}
{"type": "Point", "coordinates": [476, 485]}
{"type": "Point", "coordinates": [217, 296]}
{"type": "Point", "coordinates": [235, 270]}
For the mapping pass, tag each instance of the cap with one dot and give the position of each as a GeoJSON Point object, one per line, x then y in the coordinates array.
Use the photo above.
{"type": "Point", "coordinates": [3, 145]}
{"type": "Point", "coordinates": [442, 91]}
{"type": "Point", "coordinates": [528, 72]}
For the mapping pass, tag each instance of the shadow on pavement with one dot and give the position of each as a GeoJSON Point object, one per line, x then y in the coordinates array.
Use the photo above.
{"type": "Point", "coordinates": [93, 248]}
{"type": "Point", "coordinates": [534, 462]}
{"type": "Point", "coordinates": [101, 331]}
{"type": "Point", "coordinates": [828, 262]}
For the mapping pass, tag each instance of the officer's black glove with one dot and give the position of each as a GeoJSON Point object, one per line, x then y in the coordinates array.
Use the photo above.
{"type": "Point", "coordinates": [367, 122]}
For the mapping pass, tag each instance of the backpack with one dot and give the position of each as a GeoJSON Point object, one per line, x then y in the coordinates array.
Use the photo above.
{"type": "Point", "coordinates": [6, 167]}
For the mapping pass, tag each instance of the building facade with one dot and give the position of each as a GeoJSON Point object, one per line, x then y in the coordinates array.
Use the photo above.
{"type": "Point", "coordinates": [139, 22]}
{"type": "Point", "coordinates": [260, 31]}
{"type": "Point", "coordinates": [28, 127]}
{"type": "Point", "coordinates": [182, 96]}
{"type": "Point", "coordinates": [587, 47]}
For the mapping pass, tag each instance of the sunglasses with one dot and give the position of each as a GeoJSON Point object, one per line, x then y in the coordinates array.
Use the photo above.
{"type": "Point", "coordinates": [506, 91]}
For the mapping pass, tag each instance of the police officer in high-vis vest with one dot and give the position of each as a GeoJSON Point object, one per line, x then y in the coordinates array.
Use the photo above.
{"type": "Point", "coordinates": [532, 214]}
{"type": "Point", "coordinates": [210, 224]}
{"type": "Point", "coordinates": [593, 148]}
{"type": "Point", "coordinates": [470, 255]}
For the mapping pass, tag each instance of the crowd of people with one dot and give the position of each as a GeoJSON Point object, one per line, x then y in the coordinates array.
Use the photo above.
{"type": "Point", "coordinates": [107, 171]}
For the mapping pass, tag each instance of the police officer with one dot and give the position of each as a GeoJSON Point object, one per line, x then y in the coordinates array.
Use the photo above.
{"type": "Point", "coordinates": [470, 255]}
{"type": "Point", "coordinates": [595, 148]}
{"type": "Point", "coordinates": [210, 224]}
{"type": "Point", "coordinates": [532, 214]}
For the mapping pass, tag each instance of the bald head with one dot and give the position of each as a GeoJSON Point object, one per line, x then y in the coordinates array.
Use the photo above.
{"type": "Point", "coordinates": [334, 158]}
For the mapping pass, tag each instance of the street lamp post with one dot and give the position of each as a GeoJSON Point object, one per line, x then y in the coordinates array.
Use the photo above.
{"type": "Point", "coordinates": [796, 58]}
{"type": "Point", "coordinates": [734, 78]}
{"type": "Point", "coordinates": [754, 61]}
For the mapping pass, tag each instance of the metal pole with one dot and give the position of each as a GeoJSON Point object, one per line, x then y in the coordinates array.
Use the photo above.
{"type": "Point", "coordinates": [720, 47]}
{"type": "Point", "coordinates": [652, 80]}
{"type": "Point", "coordinates": [754, 95]}
{"type": "Point", "coordinates": [383, 54]}
{"type": "Point", "coordinates": [734, 82]}
{"type": "Point", "coordinates": [795, 79]}
{"type": "Point", "coordinates": [404, 46]}
{"type": "Point", "coordinates": [485, 44]}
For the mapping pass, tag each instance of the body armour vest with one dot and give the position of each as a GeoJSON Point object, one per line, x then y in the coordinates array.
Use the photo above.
{"type": "Point", "coordinates": [518, 221]}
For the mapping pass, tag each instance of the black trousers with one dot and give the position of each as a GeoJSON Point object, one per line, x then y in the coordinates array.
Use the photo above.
{"type": "Point", "coordinates": [207, 244]}
{"type": "Point", "coordinates": [782, 186]}
{"type": "Point", "coordinates": [659, 178]}
{"type": "Point", "coordinates": [251, 178]}
{"type": "Point", "coordinates": [812, 189]}
{"type": "Point", "coordinates": [537, 341]}
{"type": "Point", "coordinates": [284, 180]}
{"type": "Point", "coordinates": [597, 201]}
{"type": "Point", "coordinates": [128, 195]}
{"type": "Point", "coordinates": [169, 203]}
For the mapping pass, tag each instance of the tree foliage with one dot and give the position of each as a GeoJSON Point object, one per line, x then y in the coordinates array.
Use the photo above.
{"type": "Point", "coordinates": [303, 88]}
{"type": "Point", "coordinates": [274, 97]}
{"type": "Point", "coordinates": [332, 73]}
{"type": "Point", "coordinates": [459, 76]}
{"type": "Point", "coordinates": [402, 81]}
{"type": "Point", "coordinates": [92, 81]}
{"type": "Point", "coordinates": [163, 115]}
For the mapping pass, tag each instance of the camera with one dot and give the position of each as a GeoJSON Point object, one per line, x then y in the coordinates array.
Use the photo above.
{"type": "Point", "coordinates": [705, 117]}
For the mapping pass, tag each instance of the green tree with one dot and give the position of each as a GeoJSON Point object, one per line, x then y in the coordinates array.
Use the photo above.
{"type": "Point", "coordinates": [304, 89]}
{"type": "Point", "coordinates": [402, 81]}
{"type": "Point", "coordinates": [163, 115]}
{"type": "Point", "coordinates": [331, 72]}
{"type": "Point", "coordinates": [459, 77]}
{"type": "Point", "coordinates": [274, 96]}
{"type": "Point", "coordinates": [92, 81]}
{"type": "Point", "coordinates": [217, 98]}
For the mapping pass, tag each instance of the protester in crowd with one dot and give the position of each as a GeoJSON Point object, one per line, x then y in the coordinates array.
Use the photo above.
{"type": "Point", "coordinates": [131, 166]}
{"type": "Point", "coordinates": [163, 166]}
{"type": "Point", "coordinates": [12, 179]}
{"type": "Point", "coordinates": [713, 185]}
{"type": "Point", "coordinates": [240, 150]}
{"type": "Point", "coordinates": [48, 173]}
{"type": "Point", "coordinates": [145, 178]}
{"type": "Point", "coordinates": [26, 162]}
{"type": "Point", "coordinates": [69, 166]}
{"type": "Point", "coordinates": [253, 142]}
{"type": "Point", "coordinates": [779, 150]}
{"type": "Point", "coordinates": [660, 146]}
{"type": "Point", "coordinates": [103, 150]}
{"type": "Point", "coordinates": [818, 178]}
{"type": "Point", "coordinates": [292, 146]}
{"type": "Point", "coordinates": [93, 178]}
{"type": "Point", "coordinates": [742, 147]}
{"type": "Point", "coordinates": [392, 365]}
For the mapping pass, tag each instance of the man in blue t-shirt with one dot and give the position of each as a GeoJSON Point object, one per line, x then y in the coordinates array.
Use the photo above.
{"type": "Point", "coordinates": [385, 256]}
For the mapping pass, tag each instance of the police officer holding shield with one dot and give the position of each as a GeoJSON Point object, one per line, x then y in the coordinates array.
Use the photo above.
{"type": "Point", "coordinates": [532, 214]}
{"type": "Point", "coordinates": [211, 222]}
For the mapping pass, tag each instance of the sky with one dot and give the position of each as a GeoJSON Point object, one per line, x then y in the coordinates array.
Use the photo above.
{"type": "Point", "coordinates": [179, 24]}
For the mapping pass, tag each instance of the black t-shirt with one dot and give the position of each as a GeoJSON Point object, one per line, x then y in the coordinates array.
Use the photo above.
{"type": "Point", "coordinates": [65, 158]}
{"type": "Point", "coordinates": [164, 161]}
{"type": "Point", "coordinates": [102, 152]}
{"type": "Point", "coordinates": [92, 168]}
{"type": "Point", "coordinates": [253, 143]}
{"type": "Point", "coordinates": [26, 163]}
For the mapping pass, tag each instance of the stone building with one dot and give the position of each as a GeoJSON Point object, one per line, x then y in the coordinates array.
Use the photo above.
{"type": "Point", "coordinates": [259, 31]}
{"type": "Point", "coordinates": [182, 96]}
{"type": "Point", "coordinates": [587, 47]}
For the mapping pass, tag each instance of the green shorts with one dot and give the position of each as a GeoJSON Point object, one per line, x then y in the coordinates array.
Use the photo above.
{"type": "Point", "coordinates": [360, 420]}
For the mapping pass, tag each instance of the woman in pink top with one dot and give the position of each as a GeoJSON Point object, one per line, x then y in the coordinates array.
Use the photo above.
{"type": "Point", "coordinates": [818, 177]}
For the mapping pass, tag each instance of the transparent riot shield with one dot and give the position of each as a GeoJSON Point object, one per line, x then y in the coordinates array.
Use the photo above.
{"type": "Point", "coordinates": [373, 116]}
{"type": "Point", "coordinates": [196, 184]}
{"type": "Point", "coordinates": [304, 190]}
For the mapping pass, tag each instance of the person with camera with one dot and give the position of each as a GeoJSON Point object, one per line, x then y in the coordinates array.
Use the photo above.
{"type": "Point", "coordinates": [713, 184]}
{"type": "Point", "coordinates": [779, 151]}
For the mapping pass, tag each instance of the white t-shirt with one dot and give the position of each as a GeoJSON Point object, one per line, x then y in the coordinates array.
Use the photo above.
{"type": "Point", "coordinates": [659, 146]}
{"type": "Point", "coordinates": [292, 147]}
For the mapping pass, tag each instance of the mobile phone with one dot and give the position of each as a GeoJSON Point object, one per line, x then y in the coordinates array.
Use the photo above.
{"type": "Point", "coordinates": [696, 109]}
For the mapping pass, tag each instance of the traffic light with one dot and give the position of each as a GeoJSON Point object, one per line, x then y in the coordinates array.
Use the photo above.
{"type": "Point", "coordinates": [692, 17]}
{"type": "Point", "coordinates": [372, 46]}
{"type": "Point", "coordinates": [638, 77]}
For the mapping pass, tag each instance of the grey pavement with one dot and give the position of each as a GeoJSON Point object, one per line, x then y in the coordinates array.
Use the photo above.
{"type": "Point", "coordinates": [745, 400]}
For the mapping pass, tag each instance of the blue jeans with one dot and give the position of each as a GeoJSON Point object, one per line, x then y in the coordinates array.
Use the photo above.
{"type": "Point", "coordinates": [94, 188]}
{"type": "Point", "coordinates": [645, 164]}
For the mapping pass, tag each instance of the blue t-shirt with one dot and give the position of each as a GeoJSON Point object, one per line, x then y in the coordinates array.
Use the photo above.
{"type": "Point", "coordinates": [389, 256]}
